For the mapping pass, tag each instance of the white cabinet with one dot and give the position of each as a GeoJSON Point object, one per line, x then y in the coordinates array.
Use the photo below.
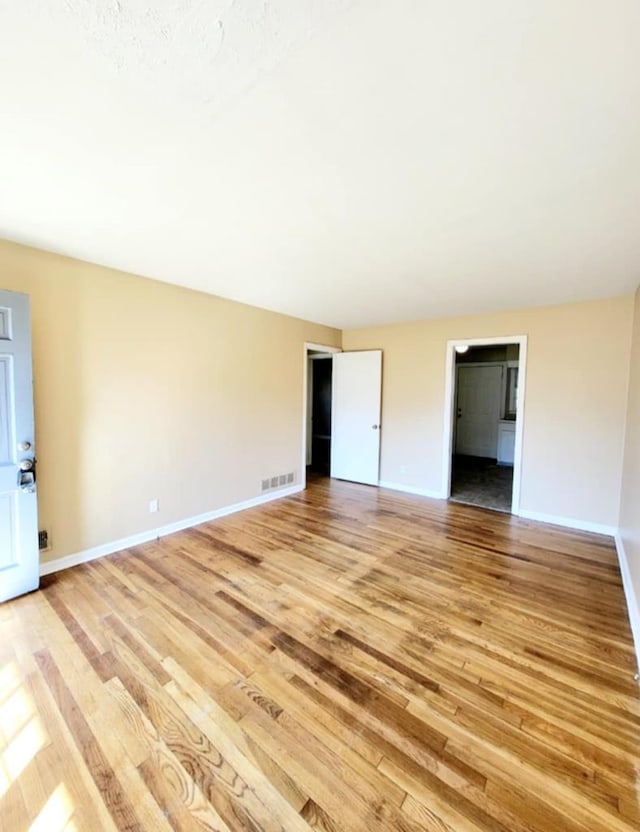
{"type": "Point", "coordinates": [506, 441]}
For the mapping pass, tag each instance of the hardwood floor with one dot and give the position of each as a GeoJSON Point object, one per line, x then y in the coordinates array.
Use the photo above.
{"type": "Point", "coordinates": [345, 659]}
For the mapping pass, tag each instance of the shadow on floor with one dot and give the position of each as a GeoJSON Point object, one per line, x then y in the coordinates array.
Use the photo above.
{"type": "Point", "coordinates": [481, 482]}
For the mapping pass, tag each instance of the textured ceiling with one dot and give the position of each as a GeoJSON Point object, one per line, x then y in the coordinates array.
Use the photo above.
{"type": "Point", "coordinates": [199, 53]}
{"type": "Point", "coordinates": [348, 162]}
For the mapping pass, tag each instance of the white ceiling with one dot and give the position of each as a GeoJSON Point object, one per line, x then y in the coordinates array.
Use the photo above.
{"type": "Point", "coordinates": [352, 162]}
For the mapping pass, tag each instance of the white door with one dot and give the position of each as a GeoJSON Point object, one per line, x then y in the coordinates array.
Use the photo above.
{"type": "Point", "coordinates": [355, 416]}
{"type": "Point", "coordinates": [19, 561]}
{"type": "Point", "coordinates": [479, 406]}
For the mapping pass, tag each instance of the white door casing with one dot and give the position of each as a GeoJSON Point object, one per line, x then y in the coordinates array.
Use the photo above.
{"type": "Point", "coordinates": [356, 401]}
{"type": "Point", "coordinates": [479, 393]}
{"type": "Point", "coordinates": [19, 558]}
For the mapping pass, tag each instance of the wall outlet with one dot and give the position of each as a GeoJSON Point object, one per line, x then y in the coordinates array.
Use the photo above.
{"type": "Point", "coordinates": [44, 541]}
{"type": "Point", "coordinates": [154, 506]}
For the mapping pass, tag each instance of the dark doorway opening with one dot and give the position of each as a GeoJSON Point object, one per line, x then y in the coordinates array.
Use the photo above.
{"type": "Point", "coordinates": [321, 374]}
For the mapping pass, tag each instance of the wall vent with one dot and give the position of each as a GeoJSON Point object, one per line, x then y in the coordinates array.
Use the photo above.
{"type": "Point", "coordinates": [278, 482]}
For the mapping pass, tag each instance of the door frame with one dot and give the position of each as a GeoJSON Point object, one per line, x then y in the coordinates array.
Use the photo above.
{"type": "Point", "coordinates": [449, 409]}
{"type": "Point", "coordinates": [308, 347]}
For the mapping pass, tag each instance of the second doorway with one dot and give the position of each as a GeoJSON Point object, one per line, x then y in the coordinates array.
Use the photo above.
{"type": "Point", "coordinates": [482, 463]}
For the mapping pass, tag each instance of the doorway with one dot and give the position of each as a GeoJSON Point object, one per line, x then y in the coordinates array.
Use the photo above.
{"type": "Point", "coordinates": [317, 410]}
{"type": "Point", "coordinates": [484, 422]}
{"type": "Point", "coordinates": [319, 414]}
{"type": "Point", "coordinates": [341, 414]}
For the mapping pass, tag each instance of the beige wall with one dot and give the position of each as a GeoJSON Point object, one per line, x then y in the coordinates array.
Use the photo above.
{"type": "Point", "coordinates": [145, 390]}
{"type": "Point", "coordinates": [577, 372]}
{"type": "Point", "coordinates": [630, 505]}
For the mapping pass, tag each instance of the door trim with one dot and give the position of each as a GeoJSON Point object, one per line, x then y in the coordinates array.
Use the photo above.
{"type": "Point", "coordinates": [449, 410]}
{"type": "Point", "coordinates": [308, 347]}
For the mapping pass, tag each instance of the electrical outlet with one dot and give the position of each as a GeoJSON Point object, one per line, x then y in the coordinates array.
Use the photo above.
{"type": "Point", "coordinates": [44, 541]}
{"type": "Point", "coordinates": [154, 506]}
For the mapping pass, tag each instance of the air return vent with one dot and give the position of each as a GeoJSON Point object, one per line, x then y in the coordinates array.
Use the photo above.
{"type": "Point", "coordinates": [280, 481]}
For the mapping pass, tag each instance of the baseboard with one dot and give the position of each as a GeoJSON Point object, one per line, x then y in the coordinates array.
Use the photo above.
{"type": "Point", "coordinates": [568, 522]}
{"type": "Point", "coordinates": [633, 603]}
{"type": "Point", "coordinates": [152, 534]}
{"type": "Point", "coordinates": [411, 489]}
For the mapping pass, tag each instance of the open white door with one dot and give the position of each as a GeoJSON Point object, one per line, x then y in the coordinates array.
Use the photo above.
{"type": "Point", "coordinates": [355, 419]}
{"type": "Point", "coordinates": [19, 560]}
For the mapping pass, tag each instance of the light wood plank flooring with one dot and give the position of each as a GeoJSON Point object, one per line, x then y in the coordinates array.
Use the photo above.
{"type": "Point", "coordinates": [345, 659]}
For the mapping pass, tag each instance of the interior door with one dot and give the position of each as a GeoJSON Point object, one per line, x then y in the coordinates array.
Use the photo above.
{"type": "Point", "coordinates": [19, 560]}
{"type": "Point", "coordinates": [355, 416]}
{"type": "Point", "coordinates": [478, 414]}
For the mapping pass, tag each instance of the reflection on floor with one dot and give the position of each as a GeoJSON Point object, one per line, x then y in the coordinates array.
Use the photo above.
{"type": "Point", "coordinates": [481, 482]}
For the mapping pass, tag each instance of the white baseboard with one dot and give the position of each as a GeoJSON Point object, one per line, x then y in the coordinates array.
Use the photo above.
{"type": "Point", "coordinates": [568, 522]}
{"type": "Point", "coordinates": [411, 489]}
{"type": "Point", "coordinates": [633, 603]}
{"type": "Point", "coordinates": [152, 534]}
